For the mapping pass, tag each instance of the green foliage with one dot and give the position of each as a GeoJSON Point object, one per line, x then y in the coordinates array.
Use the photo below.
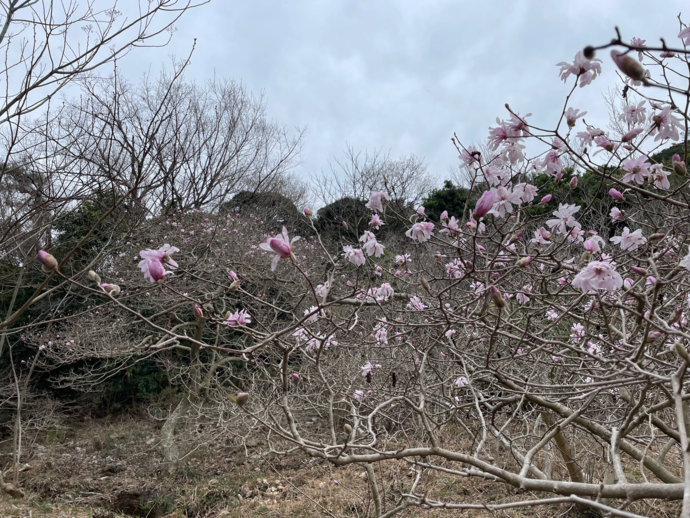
{"type": "Point", "coordinates": [274, 209]}
{"type": "Point", "coordinates": [75, 225]}
{"type": "Point", "coordinates": [138, 383]}
{"type": "Point", "coordinates": [450, 197]}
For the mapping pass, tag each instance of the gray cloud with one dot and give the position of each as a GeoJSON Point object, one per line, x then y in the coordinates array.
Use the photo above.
{"type": "Point", "coordinates": [405, 75]}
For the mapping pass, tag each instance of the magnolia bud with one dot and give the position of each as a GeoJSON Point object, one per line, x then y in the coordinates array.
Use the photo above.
{"type": "Point", "coordinates": [679, 166]}
{"type": "Point", "coordinates": [345, 225]}
{"type": "Point", "coordinates": [680, 350]}
{"type": "Point", "coordinates": [93, 276]}
{"type": "Point", "coordinates": [515, 237]}
{"type": "Point", "coordinates": [234, 285]}
{"type": "Point", "coordinates": [657, 237]}
{"type": "Point", "coordinates": [616, 194]}
{"type": "Point", "coordinates": [308, 212]}
{"type": "Point", "coordinates": [198, 311]}
{"type": "Point", "coordinates": [638, 270]}
{"type": "Point", "coordinates": [573, 182]}
{"type": "Point", "coordinates": [497, 298]}
{"type": "Point", "coordinates": [348, 429]}
{"type": "Point", "coordinates": [484, 204]}
{"type": "Point", "coordinates": [295, 376]}
{"type": "Point", "coordinates": [630, 67]}
{"type": "Point", "coordinates": [675, 317]}
{"type": "Point", "coordinates": [113, 289]}
{"type": "Point", "coordinates": [653, 335]}
{"type": "Point", "coordinates": [546, 199]}
{"type": "Point", "coordinates": [425, 284]}
{"type": "Point", "coordinates": [630, 135]}
{"type": "Point", "coordinates": [469, 265]}
{"type": "Point", "coordinates": [523, 261]}
{"type": "Point", "coordinates": [48, 261]}
{"type": "Point", "coordinates": [241, 399]}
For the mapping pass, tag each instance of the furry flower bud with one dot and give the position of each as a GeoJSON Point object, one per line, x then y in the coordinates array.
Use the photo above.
{"type": "Point", "coordinates": [679, 166]}
{"type": "Point", "coordinates": [94, 277]}
{"type": "Point", "coordinates": [112, 289]}
{"type": "Point", "coordinates": [630, 66]}
{"type": "Point", "coordinates": [497, 297]}
{"type": "Point", "coordinates": [48, 261]}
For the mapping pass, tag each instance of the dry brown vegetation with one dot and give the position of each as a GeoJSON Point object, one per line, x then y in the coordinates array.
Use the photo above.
{"type": "Point", "coordinates": [114, 468]}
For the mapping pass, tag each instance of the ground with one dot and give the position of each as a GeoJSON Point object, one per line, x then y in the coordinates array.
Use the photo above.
{"type": "Point", "coordinates": [112, 469]}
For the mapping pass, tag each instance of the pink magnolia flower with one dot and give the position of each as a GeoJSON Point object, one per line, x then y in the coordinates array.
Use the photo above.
{"type": "Point", "coordinates": [615, 214]}
{"type": "Point", "coordinates": [598, 275]}
{"type": "Point", "coordinates": [484, 204]}
{"type": "Point", "coordinates": [358, 395]}
{"type": "Point", "coordinates": [685, 35]}
{"type": "Point", "coordinates": [529, 191]}
{"type": "Point", "coordinates": [451, 227]}
{"type": "Point", "coordinates": [470, 155]}
{"type": "Point", "coordinates": [552, 162]}
{"type": "Point", "coordinates": [461, 382]}
{"type": "Point", "coordinates": [513, 152]}
{"type": "Point", "coordinates": [581, 67]}
{"type": "Point", "coordinates": [376, 221]}
{"type": "Point", "coordinates": [666, 125]}
{"type": "Point", "coordinates": [659, 177]}
{"type": "Point", "coordinates": [638, 42]}
{"type": "Point", "coordinates": [416, 304]}
{"type": "Point", "coordinates": [444, 215]}
{"type": "Point", "coordinates": [367, 368]}
{"type": "Point", "coordinates": [634, 113]}
{"type": "Point", "coordinates": [638, 169]}
{"type": "Point", "coordinates": [281, 245]}
{"type": "Point", "coordinates": [238, 318]}
{"type": "Point", "coordinates": [541, 237]}
{"type": "Point", "coordinates": [375, 201]}
{"type": "Point", "coordinates": [475, 223]}
{"type": "Point", "coordinates": [421, 231]}
{"type": "Point", "coordinates": [603, 142]}
{"type": "Point", "coordinates": [450, 333]}
{"type": "Point", "coordinates": [587, 137]}
{"type": "Point", "coordinates": [370, 245]}
{"type": "Point", "coordinates": [629, 240]}
{"type": "Point", "coordinates": [354, 255]}
{"type": "Point", "coordinates": [564, 218]}
{"type": "Point", "coordinates": [685, 262]}
{"type": "Point", "coordinates": [522, 298]}
{"type": "Point", "coordinates": [505, 198]}
{"type": "Point", "coordinates": [153, 260]}
{"type": "Point", "coordinates": [153, 270]}
{"type": "Point", "coordinates": [402, 259]}
{"type": "Point", "coordinates": [571, 116]}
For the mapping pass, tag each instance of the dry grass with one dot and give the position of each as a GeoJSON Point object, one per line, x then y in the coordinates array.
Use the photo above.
{"type": "Point", "coordinates": [98, 470]}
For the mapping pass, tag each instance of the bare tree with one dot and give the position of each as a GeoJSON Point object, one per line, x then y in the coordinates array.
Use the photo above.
{"type": "Point", "coordinates": [356, 176]}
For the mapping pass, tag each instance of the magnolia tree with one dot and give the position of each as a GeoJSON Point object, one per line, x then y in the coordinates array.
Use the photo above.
{"type": "Point", "coordinates": [540, 343]}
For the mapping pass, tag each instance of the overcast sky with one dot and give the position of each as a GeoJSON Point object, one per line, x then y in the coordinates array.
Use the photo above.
{"type": "Point", "coordinates": [404, 75]}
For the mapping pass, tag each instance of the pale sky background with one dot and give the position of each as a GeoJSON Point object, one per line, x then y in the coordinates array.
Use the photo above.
{"type": "Point", "coordinates": [404, 75]}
